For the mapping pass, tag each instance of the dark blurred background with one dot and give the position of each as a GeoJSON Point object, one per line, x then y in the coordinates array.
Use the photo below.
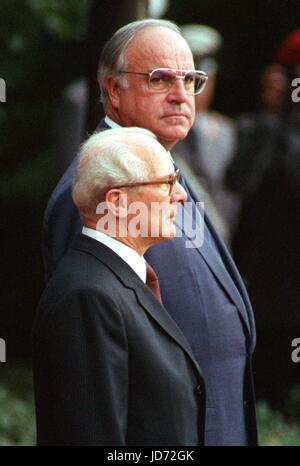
{"type": "Point", "coordinates": [46, 45]}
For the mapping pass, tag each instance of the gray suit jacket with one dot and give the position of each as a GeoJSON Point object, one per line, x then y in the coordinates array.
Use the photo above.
{"type": "Point", "coordinates": [111, 367]}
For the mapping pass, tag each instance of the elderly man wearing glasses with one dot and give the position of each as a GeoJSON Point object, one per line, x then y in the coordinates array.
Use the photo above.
{"type": "Point", "coordinates": [147, 79]}
{"type": "Point", "coordinates": [110, 365]}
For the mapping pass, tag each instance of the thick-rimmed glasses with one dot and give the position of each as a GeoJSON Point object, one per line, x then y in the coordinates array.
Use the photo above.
{"type": "Point", "coordinates": [162, 79]}
{"type": "Point", "coordinates": [171, 180]}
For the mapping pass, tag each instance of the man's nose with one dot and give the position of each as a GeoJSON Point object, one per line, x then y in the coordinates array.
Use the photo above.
{"type": "Point", "coordinates": [177, 92]}
{"type": "Point", "coordinates": [179, 194]}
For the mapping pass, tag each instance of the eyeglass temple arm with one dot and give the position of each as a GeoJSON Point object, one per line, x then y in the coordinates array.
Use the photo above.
{"type": "Point", "coordinates": [134, 72]}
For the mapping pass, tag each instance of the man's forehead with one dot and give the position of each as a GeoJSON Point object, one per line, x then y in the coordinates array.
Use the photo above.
{"type": "Point", "coordinates": [162, 165]}
{"type": "Point", "coordinates": [160, 47]}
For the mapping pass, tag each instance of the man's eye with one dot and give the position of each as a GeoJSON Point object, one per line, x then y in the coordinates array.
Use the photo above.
{"type": "Point", "coordinates": [165, 186]}
{"type": "Point", "coordinates": [156, 80]}
{"type": "Point", "coordinates": [189, 79]}
{"type": "Point", "coordinates": [160, 79]}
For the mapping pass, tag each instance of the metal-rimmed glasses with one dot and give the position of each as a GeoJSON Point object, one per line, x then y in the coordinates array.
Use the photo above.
{"type": "Point", "coordinates": [171, 180]}
{"type": "Point", "coordinates": [162, 79]}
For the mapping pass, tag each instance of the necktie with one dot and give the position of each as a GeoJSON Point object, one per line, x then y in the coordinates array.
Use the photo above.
{"type": "Point", "coordinates": [152, 282]}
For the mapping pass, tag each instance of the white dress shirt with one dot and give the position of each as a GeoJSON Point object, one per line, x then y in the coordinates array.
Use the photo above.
{"type": "Point", "coordinates": [129, 255]}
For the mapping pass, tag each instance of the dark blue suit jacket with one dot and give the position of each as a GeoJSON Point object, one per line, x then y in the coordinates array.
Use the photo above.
{"type": "Point", "coordinates": [205, 295]}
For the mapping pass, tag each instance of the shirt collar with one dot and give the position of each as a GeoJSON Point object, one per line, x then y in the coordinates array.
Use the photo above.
{"type": "Point", "coordinates": [129, 255]}
{"type": "Point", "coordinates": [111, 123]}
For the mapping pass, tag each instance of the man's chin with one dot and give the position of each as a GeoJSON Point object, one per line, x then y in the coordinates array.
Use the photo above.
{"type": "Point", "coordinates": [170, 138]}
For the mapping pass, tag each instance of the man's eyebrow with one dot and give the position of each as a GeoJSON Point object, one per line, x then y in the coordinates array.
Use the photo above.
{"type": "Point", "coordinates": [165, 177]}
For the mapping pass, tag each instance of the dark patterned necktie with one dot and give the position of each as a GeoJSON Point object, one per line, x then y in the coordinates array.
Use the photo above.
{"type": "Point", "coordinates": [152, 282]}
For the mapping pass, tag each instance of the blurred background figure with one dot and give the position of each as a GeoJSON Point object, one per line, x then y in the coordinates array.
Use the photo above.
{"type": "Point", "coordinates": [209, 147]}
{"type": "Point", "coordinates": [266, 174]}
{"type": "Point", "coordinates": [274, 88]}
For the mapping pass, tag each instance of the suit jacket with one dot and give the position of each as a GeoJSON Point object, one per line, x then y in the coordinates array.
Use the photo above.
{"type": "Point", "coordinates": [111, 366]}
{"type": "Point", "coordinates": [209, 149]}
{"type": "Point", "coordinates": [205, 295]}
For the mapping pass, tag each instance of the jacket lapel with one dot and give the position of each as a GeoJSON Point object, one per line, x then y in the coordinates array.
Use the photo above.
{"type": "Point", "coordinates": [131, 280]}
{"type": "Point", "coordinates": [212, 259]}
{"type": "Point", "coordinates": [102, 126]}
{"type": "Point", "coordinates": [160, 315]}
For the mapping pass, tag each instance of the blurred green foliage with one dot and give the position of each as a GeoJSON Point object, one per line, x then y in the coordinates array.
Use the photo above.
{"type": "Point", "coordinates": [21, 20]}
{"type": "Point", "coordinates": [17, 423]}
{"type": "Point", "coordinates": [42, 48]}
{"type": "Point", "coordinates": [33, 181]}
{"type": "Point", "coordinates": [63, 19]}
{"type": "Point", "coordinates": [274, 430]}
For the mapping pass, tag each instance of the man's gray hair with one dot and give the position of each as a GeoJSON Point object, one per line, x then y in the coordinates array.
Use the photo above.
{"type": "Point", "coordinates": [113, 54]}
{"type": "Point", "coordinates": [108, 159]}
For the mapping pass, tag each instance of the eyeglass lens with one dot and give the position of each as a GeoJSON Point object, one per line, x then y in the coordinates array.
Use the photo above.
{"type": "Point", "coordinates": [174, 180]}
{"type": "Point", "coordinates": [162, 79]}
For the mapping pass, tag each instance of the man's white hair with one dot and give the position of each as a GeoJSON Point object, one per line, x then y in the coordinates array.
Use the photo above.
{"type": "Point", "coordinates": [107, 159]}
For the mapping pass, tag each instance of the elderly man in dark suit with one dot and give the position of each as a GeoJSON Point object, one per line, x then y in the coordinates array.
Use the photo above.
{"type": "Point", "coordinates": [147, 79]}
{"type": "Point", "coordinates": [111, 366]}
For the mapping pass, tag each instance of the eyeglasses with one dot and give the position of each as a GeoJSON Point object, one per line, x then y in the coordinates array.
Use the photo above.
{"type": "Point", "coordinates": [170, 181]}
{"type": "Point", "coordinates": [162, 79]}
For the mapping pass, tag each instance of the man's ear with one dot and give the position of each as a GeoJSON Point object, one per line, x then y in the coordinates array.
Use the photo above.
{"type": "Point", "coordinates": [116, 201]}
{"type": "Point", "coordinates": [112, 87]}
